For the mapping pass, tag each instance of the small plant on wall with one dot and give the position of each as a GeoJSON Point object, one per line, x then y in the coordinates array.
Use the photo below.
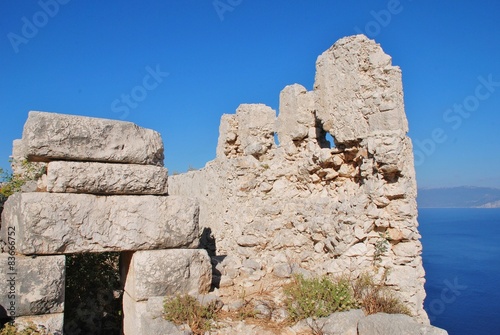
{"type": "Point", "coordinates": [381, 247]}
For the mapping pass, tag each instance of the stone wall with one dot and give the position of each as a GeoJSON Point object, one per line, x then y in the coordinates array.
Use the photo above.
{"type": "Point", "coordinates": [102, 188]}
{"type": "Point", "coordinates": [310, 206]}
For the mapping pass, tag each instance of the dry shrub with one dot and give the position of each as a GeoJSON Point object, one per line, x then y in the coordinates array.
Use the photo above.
{"type": "Point", "coordinates": [184, 309]}
{"type": "Point", "coordinates": [377, 298]}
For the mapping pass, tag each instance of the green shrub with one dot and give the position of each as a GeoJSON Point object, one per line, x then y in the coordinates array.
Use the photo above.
{"type": "Point", "coordinates": [184, 309]}
{"type": "Point", "coordinates": [318, 297]}
{"type": "Point", "coordinates": [12, 183]}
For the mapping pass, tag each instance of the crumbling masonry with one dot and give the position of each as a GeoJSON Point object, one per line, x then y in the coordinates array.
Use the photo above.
{"type": "Point", "coordinates": [264, 211]}
{"type": "Point", "coordinates": [312, 207]}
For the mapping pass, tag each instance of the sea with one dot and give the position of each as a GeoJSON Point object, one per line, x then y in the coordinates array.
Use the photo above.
{"type": "Point", "coordinates": [461, 256]}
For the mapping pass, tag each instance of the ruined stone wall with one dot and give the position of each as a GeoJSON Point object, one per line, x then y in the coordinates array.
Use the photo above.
{"type": "Point", "coordinates": [312, 207]}
{"type": "Point", "coordinates": [101, 188]}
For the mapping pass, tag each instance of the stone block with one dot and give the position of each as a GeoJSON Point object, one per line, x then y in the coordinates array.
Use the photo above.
{"type": "Point", "coordinates": [132, 311]}
{"type": "Point", "coordinates": [31, 285]}
{"type": "Point", "coordinates": [102, 178]}
{"type": "Point", "coordinates": [52, 323]}
{"type": "Point", "coordinates": [358, 91]}
{"type": "Point", "coordinates": [56, 223]}
{"type": "Point", "coordinates": [145, 317]}
{"type": "Point", "coordinates": [345, 323]}
{"type": "Point", "coordinates": [51, 136]}
{"type": "Point", "coordinates": [395, 324]}
{"type": "Point", "coordinates": [255, 128]}
{"type": "Point", "coordinates": [296, 114]}
{"type": "Point", "coordinates": [166, 272]}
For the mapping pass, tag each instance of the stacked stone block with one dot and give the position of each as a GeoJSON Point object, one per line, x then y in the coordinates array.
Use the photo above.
{"type": "Point", "coordinates": [103, 189]}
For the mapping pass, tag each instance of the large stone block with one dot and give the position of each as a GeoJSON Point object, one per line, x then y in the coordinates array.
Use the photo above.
{"type": "Point", "coordinates": [56, 223]}
{"type": "Point", "coordinates": [296, 114]}
{"type": "Point", "coordinates": [395, 324]}
{"type": "Point", "coordinates": [102, 178]}
{"type": "Point", "coordinates": [145, 318]}
{"type": "Point", "coordinates": [52, 323]}
{"type": "Point", "coordinates": [31, 285]}
{"type": "Point", "coordinates": [166, 272]}
{"type": "Point", "coordinates": [132, 311]}
{"type": "Point", "coordinates": [345, 323]}
{"type": "Point", "coordinates": [255, 128]}
{"type": "Point", "coordinates": [358, 91]}
{"type": "Point", "coordinates": [51, 136]}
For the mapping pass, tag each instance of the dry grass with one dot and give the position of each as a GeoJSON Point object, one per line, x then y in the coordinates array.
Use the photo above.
{"type": "Point", "coordinates": [188, 310]}
{"type": "Point", "coordinates": [317, 297]}
{"type": "Point", "coordinates": [377, 298]}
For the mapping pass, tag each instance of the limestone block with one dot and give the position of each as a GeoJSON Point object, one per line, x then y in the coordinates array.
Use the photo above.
{"type": "Point", "coordinates": [345, 323]}
{"type": "Point", "coordinates": [404, 276]}
{"type": "Point", "coordinates": [51, 136]}
{"type": "Point", "coordinates": [145, 317]}
{"type": "Point", "coordinates": [29, 172]}
{"type": "Point", "coordinates": [227, 136]}
{"type": "Point", "coordinates": [102, 178]}
{"type": "Point", "coordinates": [166, 272]}
{"type": "Point", "coordinates": [57, 223]}
{"type": "Point", "coordinates": [32, 285]}
{"type": "Point", "coordinates": [296, 113]}
{"type": "Point", "coordinates": [359, 249]}
{"type": "Point", "coordinates": [358, 91]}
{"type": "Point", "coordinates": [18, 155]}
{"type": "Point", "coordinates": [255, 128]}
{"type": "Point", "coordinates": [395, 324]}
{"type": "Point", "coordinates": [52, 323]}
{"type": "Point", "coordinates": [407, 249]}
{"type": "Point", "coordinates": [132, 312]}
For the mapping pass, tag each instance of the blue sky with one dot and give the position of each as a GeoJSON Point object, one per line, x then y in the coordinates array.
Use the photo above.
{"type": "Point", "coordinates": [184, 63]}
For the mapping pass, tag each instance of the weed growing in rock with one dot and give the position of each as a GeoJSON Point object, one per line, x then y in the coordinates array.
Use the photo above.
{"type": "Point", "coordinates": [30, 329]}
{"type": "Point", "coordinates": [12, 183]}
{"type": "Point", "coordinates": [381, 247]}
{"type": "Point", "coordinates": [376, 298]}
{"type": "Point", "coordinates": [184, 309]}
{"type": "Point", "coordinates": [318, 297]}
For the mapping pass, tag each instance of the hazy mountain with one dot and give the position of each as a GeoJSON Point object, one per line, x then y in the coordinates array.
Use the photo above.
{"type": "Point", "coordinates": [463, 196]}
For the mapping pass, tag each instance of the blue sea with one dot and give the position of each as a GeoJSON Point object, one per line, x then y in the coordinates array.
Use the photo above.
{"type": "Point", "coordinates": [461, 254]}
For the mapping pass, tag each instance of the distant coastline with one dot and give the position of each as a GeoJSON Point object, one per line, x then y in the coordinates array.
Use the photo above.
{"type": "Point", "coordinates": [459, 197]}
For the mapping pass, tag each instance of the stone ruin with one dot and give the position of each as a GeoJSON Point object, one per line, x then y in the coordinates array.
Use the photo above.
{"type": "Point", "coordinates": [310, 205]}
{"type": "Point", "coordinates": [104, 189]}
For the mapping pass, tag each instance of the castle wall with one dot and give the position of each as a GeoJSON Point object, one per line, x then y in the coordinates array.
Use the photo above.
{"type": "Point", "coordinates": [312, 207]}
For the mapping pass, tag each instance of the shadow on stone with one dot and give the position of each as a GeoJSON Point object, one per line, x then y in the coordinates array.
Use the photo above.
{"type": "Point", "coordinates": [207, 242]}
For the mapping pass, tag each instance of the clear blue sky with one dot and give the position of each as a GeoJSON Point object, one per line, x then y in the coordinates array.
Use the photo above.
{"type": "Point", "coordinates": [83, 57]}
